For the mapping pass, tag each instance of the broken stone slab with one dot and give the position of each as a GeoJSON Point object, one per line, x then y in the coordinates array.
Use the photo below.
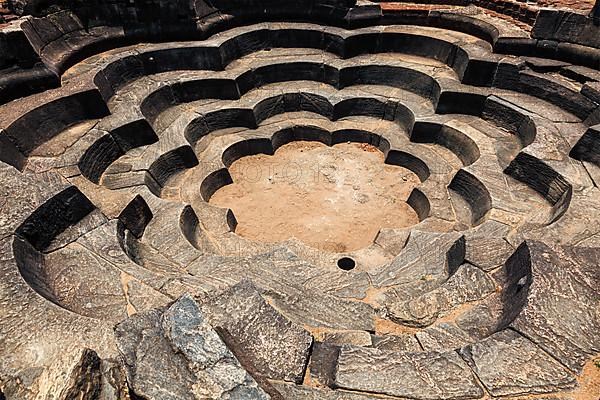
{"type": "Point", "coordinates": [423, 375]}
{"type": "Point", "coordinates": [75, 374]}
{"type": "Point", "coordinates": [276, 347]}
{"type": "Point", "coordinates": [468, 284]}
{"type": "Point", "coordinates": [562, 313]}
{"type": "Point", "coordinates": [174, 353]}
{"type": "Point", "coordinates": [509, 364]}
{"type": "Point", "coordinates": [545, 65]}
{"type": "Point", "coordinates": [321, 310]}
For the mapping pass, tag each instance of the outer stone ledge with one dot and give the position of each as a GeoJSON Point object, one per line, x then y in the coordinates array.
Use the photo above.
{"type": "Point", "coordinates": [508, 364]}
{"type": "Point", "coordinates": [562, 314]}
{"type": "Point", "coordinates": [426, 375]}
{"type": "Point", "coordinates": [295, 392]}
{"type": "Point", "coordinates": [175, 354]}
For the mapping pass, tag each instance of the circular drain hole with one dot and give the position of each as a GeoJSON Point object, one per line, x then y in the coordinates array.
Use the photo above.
{"type": "Point", "coordinates": [346, 263]}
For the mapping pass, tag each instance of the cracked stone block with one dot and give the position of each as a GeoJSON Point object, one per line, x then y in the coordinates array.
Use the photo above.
{"type": "Point", "coordinates": [509, 364]}
{"type": "Point", "coordinates": [480, 320]}
{"type": "Point", "coordinates": [174, 353]}
{"type": "Point", "coordinates": [276, 347]}
{"type": "Point", "coordinates": [425, 375]}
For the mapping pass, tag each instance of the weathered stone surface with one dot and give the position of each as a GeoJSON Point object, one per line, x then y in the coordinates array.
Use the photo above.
{"type": "Point", "coordinates": [356, 338]}
{"type": "Point", "coordinates": [562, 314]}
{"type": "Point", "coordinates": [286, 282]}
{"type": "Point", "coordinates": [174, 354]}
{"type": "Point", "coordinates": [556, 93]}
{"type": "Point", "coordinates": [444, 336]}
{"type": "Point", "coordinates": [104, 207]}
{"type": "Point", "coordinates": [277, 348]}
{"type": "Point", "coordinates": [486, 246]}
{"type": "Point", "coordinates": [74, 375]}
{"type": "Point", "coordinates": [84, 380]}
{"type": "Point", "coordinates": [76, 277]}
{"type": "Point", "coordinates": [426, 375]}
{"type": "Point", "coordinates": [400, 342]}
{"type": "Point", "coordinates": [592, 91]}
{"type": "Point", "coordinates": [566, 26]}
{"type": "Point", "coordinates": [294, 392]}
{"type": "Point", "coordinates": [468, 284]}
{"type": "Point", "coordinates": [21, 195]}
{"type": "Point", "coordinates": [587, 148]}
{"type": "Point", "coordinates": [114, 381]}
{"type": "Point", "coordinates": [509, 364]}
{"type": "Point", "coordinates": [323, 362]}
{"type": "Point", "coordinates": [425, 254]}
{"type": "Point", "coordinates": [482, 319]}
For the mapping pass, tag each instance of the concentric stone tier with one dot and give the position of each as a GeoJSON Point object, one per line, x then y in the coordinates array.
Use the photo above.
{"type": "Point", "coordinates": [121, 280]}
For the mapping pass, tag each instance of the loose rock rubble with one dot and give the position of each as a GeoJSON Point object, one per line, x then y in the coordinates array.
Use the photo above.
{"type": "Point", "coordinates": [121, 280]}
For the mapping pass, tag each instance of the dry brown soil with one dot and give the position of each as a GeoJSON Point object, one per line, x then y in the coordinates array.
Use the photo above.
{"type": "Point", "coordinates": [332, 198]}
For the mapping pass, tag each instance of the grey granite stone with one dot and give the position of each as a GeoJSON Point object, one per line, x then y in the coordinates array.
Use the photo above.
{"type": "Point", "coordinates": [562, 313]}
{"type": "Point", "coordinates": [174, 353]}
{"type": "Point", "coordinates": [399, 342]}
{"type": "Point", "coordinates": [509, 364]}
{"type": "Point", "coordinates": [468, 284]}
{"type": "Point", "coordinates": [276, 347]}
{"type": "Point", "coordinates": [425, 375]}
{"type": "Point", "coordinates": [294, 392]}
{"type": "Point", "coordinates": [444, 336]}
